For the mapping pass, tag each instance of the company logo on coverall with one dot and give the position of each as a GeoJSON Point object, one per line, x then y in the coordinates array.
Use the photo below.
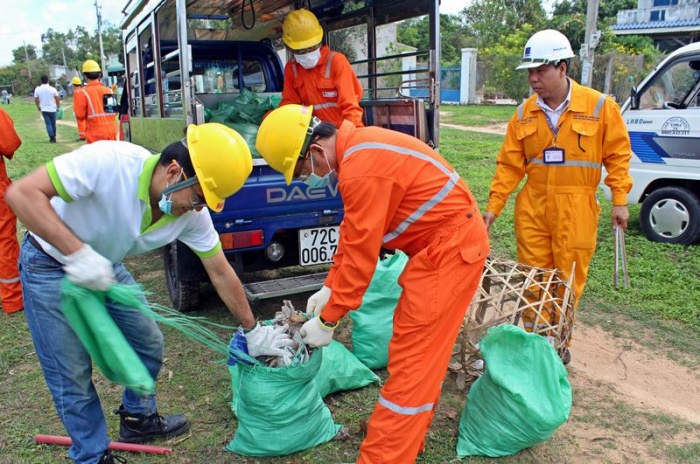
{"type": "Point", "coordinates": [280, 194]}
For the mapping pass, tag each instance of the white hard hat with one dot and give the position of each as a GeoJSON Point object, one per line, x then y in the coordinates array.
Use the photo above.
{"type": "Point", "coordinates": [545, 47]}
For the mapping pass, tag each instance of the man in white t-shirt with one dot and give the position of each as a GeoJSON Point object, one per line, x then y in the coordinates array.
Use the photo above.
{"type": "Point", "coordinates": [47, 101]}
{"type": "Point", "coordinates": [89, 209]}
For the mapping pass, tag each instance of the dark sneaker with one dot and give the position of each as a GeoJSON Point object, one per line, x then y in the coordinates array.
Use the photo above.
{"type": "Point", "coordinates": [138, 428]}
{"type": "Point", "coordinates": [52, 139]}
{"type": "Point", "coordinates": [109, 458]}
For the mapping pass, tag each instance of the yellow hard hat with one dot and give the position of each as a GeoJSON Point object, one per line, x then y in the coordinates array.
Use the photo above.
{"type": "Point", "coordinates": [76, 81]}
{"type": "Point", "coordinates": [284, 136]}
{"type": "Point", "coordinates": [301, 30]}
{"type": "Point", "coordinates": [91, 66]}
{"type": "Point", "coordinates": [221, 160]}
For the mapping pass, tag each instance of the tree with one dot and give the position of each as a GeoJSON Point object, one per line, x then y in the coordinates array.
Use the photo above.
{"type": "Point", "coordinates": [489, 21]}
{"type": "Point", "coordinates": [501, 59]}
{"type": "Point", "coordinates": [415, 33]}
{"type": "Point", "coordinates": [23, 53]}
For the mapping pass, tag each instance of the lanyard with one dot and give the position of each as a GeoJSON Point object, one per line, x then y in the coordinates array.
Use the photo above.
{"type": "Point", "coordinates": [554, 130]}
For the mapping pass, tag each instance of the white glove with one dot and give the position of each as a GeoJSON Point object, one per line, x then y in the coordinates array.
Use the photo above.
{"type": "Point", "coordinates": [267, 340]}
{"type": "Point", "coordinates": [89, 269]}
{"type": "Point", "coordinates": [317, 302]}
{"type": "Point", "coordinates": [314, 333]}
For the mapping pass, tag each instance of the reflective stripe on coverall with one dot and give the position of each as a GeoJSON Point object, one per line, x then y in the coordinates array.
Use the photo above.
{"type": "Point", "coordinates": [331, 87]}
{"type": "Point", "coordinates": [399, 194]}
{"type": "Point", "coordinates": [556, 212]}
{"type": "Point", "coordinates": [81, 122]}
{"type": "Point", "coordinates": [88, 106]}
{"type": "Point", "coordinates": [10, 286]}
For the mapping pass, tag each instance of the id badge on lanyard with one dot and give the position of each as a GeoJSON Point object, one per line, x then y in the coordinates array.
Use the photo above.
{"type": "Point", "coordinates": [553, 154]}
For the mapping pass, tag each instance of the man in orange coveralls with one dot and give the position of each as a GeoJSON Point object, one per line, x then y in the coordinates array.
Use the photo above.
{"type": "Point", "coordinates": [316, 75]}
{"type": "Point", "coordinates": [10, 286]}
{"type": "Point", "coordinates": [88, 105]}
{"type": "Point", "coordinates": [560, 137]}
{"type": "Point", "coordinates": [77, 85]}
{"type": "Point", "coordinates": [398, 193]}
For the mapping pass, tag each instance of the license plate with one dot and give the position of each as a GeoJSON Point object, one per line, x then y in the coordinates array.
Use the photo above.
{"type": "Point", "coordinates": [317, 245]}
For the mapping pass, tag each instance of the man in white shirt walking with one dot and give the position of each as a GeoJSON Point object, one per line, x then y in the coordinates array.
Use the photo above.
{"type": "Point", "coordinates": [47, 101]}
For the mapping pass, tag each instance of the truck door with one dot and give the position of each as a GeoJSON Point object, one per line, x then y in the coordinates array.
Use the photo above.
{"type": "Point", "coordinates": [663, 120]}
{"type": "Point", "coordinates": [665, 125]}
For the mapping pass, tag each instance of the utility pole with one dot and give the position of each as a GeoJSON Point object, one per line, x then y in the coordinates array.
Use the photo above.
{"type": "Point", "coordinates": [26, 60]}
{"type": "Point", "coordinates": [587, 48]}
{"type": "Point", "coordinates": [99, 35]}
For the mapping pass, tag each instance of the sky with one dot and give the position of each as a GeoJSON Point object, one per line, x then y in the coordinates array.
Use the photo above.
{"type": "Point", "coordinates": [25, 21]}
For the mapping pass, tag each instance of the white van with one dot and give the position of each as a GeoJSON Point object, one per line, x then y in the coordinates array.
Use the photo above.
{"type": "Point", "coordinates": [663, 120]}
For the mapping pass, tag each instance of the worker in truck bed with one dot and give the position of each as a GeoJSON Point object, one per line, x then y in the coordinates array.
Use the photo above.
{"type": "Point", "coordinates": [561, 137]}
{"type": "Point", "coordinates": [89, 209]}
{"type": "Point", "coordinates": [316, 75]}
{"type": "Point", "coordinates": [398, 193]}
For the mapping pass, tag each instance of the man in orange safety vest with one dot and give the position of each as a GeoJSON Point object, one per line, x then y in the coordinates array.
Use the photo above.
{"type": "Point", "coordinates": [96, 105]}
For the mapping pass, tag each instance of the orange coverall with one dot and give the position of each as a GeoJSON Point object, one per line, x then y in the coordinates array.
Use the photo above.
{"type": "Point", "coordinates": [88, 106]}
{"type": "Point", "coordinates": [556, 212]}
{"type": "Point", "coordinates": [10, 286]}
{"type": "Point", "coordinates": [331, 87]}
{"type": "Point", "coordinates": [81, 122]}
{"type": "Point", "coordinates": [400, 194]}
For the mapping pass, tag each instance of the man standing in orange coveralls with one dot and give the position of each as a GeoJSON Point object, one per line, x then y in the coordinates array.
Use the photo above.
{"type": "Point", "coordinates": [10, 286]}
{"type": "Point", "coordinates": [88, 105]}
{"type": "Point", "coordinates": [398, 193]}
{"type": "Point", "coordinates": [316, 75]}
{"type": "Point", "coordinates": [77, 85]}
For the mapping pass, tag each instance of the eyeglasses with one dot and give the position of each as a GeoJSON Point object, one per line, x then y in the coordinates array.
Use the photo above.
{"type": "Point", "coordinates": [197, 200]}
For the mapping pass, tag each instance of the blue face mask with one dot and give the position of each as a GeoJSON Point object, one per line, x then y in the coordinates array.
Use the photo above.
{"type": "Point", "coordinates": [316, 181]}
{"type": "Point", "coordinates": [165, 203]}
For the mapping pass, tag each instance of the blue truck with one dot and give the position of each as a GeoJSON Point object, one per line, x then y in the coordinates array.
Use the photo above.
{"type": "Point", "coordinates": [185, 59]}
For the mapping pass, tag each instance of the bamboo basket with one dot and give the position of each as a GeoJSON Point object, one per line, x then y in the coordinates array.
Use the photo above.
{"type": "Point", "coordinates": [506, 289]}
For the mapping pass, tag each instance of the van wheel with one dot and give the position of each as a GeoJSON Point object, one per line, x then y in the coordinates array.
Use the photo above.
{"type": "Point", "coordinates": [671, 215]}
{"type": "Point", "coordinates": [184, 294]}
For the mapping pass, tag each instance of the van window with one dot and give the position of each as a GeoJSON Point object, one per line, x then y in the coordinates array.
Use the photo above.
{"type": "Point", "coordinates": [677, 87]}
{"type": "Point", "coordinates": [221, 76]}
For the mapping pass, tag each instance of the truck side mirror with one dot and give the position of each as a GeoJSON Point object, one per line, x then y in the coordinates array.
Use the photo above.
{"type": "Point", "coordinates": [634, 101]}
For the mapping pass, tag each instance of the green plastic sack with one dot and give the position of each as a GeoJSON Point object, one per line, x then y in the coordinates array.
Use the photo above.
{"type": "Point", "coordinates": [87, 315]}
{"type": "Point", "coordinates": [341, 370]}
{"type": "Point", "coordinates": [59, 113]}
{"type": "Point", "coordinates": [249, 132]}
{"type": "Point", "coordinates": [280, 410]}
{"type": "Point", "coordinates": [520, 400]}
{"type": "Point", "coordinates": [373, 322]}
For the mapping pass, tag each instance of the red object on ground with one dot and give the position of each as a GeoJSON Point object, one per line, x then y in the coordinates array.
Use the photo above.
{"type": "Point", "coordinates": [115, 445]}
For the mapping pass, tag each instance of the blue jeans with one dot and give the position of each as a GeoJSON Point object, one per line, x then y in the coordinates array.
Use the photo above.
{"type": "Point", "coordinates": [50, 121]}
{"type": "Point", "coordinates": [67, 366]}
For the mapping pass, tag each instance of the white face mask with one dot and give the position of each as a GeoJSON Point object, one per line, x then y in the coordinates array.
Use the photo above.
{"type": "Point", "coordinates": [308, 60]}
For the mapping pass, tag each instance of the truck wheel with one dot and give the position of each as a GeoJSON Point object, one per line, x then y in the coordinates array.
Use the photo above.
{"type": "Point", "coordinates": [671, 215]}
{"type": "Point", "coordinates": [184, 294]}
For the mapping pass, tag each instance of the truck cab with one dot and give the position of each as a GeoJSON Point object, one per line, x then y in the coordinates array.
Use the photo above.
{"type": "Point", "coordinates": [188, 60]}
{"type": "Point", "coordinates": [662, 116]}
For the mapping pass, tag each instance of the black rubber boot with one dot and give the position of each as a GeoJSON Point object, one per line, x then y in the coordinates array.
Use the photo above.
{"type": "Point", "coordinates": [137, 428]}
{"type": "Point", "coordinates": [109, 458]}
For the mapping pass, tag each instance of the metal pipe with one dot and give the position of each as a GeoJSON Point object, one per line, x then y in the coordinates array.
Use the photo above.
{"type": "Point", "coordinates": [115, 445]}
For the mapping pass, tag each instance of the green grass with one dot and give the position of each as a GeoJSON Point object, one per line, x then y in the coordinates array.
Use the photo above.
{"type": "Point", "coordinates": [476, 115]}
{"type": "Point", "coordinates": [660, 311]}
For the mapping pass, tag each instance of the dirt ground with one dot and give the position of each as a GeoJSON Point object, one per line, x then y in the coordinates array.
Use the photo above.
{"type": "Point", "coordinates": [606, 372]}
